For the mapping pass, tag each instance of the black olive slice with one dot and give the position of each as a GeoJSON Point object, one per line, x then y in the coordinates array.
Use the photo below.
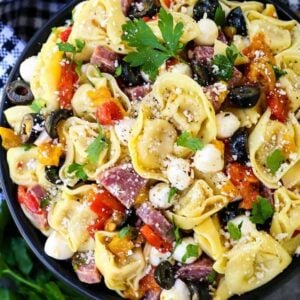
{"type": "Point", "coordinates": [164, 275]}
{"type": "Point", "coordinates": [235, 23]}
{"type": "Point", "coordinates": [52, 176]}
{"type": "Point", "coordinates": [31, 127]}
{"type": "Point", "coordinates": [53, 119]}
{"type": "Point", "coordinates": [238, 145]}
{"type": "Point", "coordinates": [231, 211]}
{"type": "Point", "coordinates": [19, 92]}
{"type": "Point", "coordinates": [131, 76]}
{"type": "Point", "coordinates": [202, 73]}
{"type": "Point", "coordinates": [205, 6]}
{"type": "Point", "coordinates": [144, 8]}
{"type": "Point", "coordinates": [245, 96]}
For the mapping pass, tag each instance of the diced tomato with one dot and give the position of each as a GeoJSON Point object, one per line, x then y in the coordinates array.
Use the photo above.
{"type": "Point", "coordinates": [246, 183]}
{"type": "Point", "coordinates": [100, 209]}
{"type": "Point", "coordinates": [148, 19]}
{"type": "Point", "coordinates": [168, 3]}
{"type": "Point", "coordinates": [29, 200]}
{"type": "Point", "coordinates": [108, 112]}
{"type": "Point", "coordinates": [106, 199]}
{"type": "Point", "coordinates": [154, 239]}
{"type": "Point", "coordinates": [99, 224]}
{"type": "Point", "coordinates": [171, 62]}
{"type": "Point", "coordinates": [65, 34]}
{"type": "Point", "coordinates": [148, 283]}
{"type": "Point", "coordinates": [279, 104]}
{"type": "Point", "coordinates": [66, 85]}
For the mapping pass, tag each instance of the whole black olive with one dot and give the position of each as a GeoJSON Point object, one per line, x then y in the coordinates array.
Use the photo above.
{"type": "Point", "coordinates": [238, 145]}
{"type": "Point", "coordinates": [53, 119]}
{"type": "Point", "coordinates": [19, 92]}
{"type": "Point", "coordinates": [202, 73]}
{"type": "Point", "coordinates": [205, 6]}
{"type": "Point", "coordinates": [164, 275]}
{"type": "Point", "coordinates": [144, 8]}
{"type": "Point", "coordinates": [131, 76]}
{"type": "Point", "coordinates": [52, 176]}
{"type": "Point", "coordinates": [199, 290]}
{"type": "Point", "coordinates": [31, 127]}
{"type": "Point", "coordinates": [244, 96]}
{"type": "Point", "coordinates": [235, 23]}
{"type": "Point", "coordinates": [229, 212]}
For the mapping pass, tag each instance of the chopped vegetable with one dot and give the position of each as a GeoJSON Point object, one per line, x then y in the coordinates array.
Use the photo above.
{"type": "Point", "coordinates": [262, 211]}
{"type": "Point", "coordinates": [67, 47]}
{"type": "Point", "coordinates": [118, 71]}
{"type": "Point", "coordinates": [220, 16]}
{"type": "Point", "coordinates": [187, 141]}
{"type": "Point", "coordinates": [275, 160]}
{"type": "Point", "coordinates": [154, 239]}
{"type": "Point", "coordinates": [191, 251]}
{"type": "Point", "coordinates": [31, 202]}
{"type": "Point", "coordinates": [151, 52]}
{"type": "Point", "coordinates": [278, 72]}
{"type": "Point", "coordinates": [211, 277]}
{"type": "Point", "coordinates": [279, 104]}
{"type": "Point", "coordinates": [9, 138]}
{"type": "Point", "coordinates": [109, 111]}
{"type": "Point", "coordinates": [78, 170]}
{"type": "Point", "coordinates": [96, 147]}
{"type": "Point", "coordinates": [49, 154]}
{"type": "Point", "coordinates": [171, 194]}
{"type": "Point", "coordinates": [100, 95]}
{"type": "Point", "coordinates": [234, 231]}
{"type": "Point", "coordinates": [65, 34]}
{"type": "Point", "coordinates": [121, 247]}
{"type": "Point", "coordinates": [106, 199]}
{"type": "Point", "coordinates": [37, 105]}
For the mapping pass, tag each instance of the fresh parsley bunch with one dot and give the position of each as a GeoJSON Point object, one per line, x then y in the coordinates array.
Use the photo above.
{"type": "Point", "coordinates": [150, 52]}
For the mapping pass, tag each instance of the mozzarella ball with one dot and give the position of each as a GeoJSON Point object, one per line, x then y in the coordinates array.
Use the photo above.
{"type": "Point", "coordinates": [209, 159]}
{"type": "Point", "coordinates": [227, 124]}
{"type": "Point", "coordinates": [181, 68]}
{"type": "Point", "coordinates": [27, 67]}
{"type": "Point", "coordinates": [57, 247]}
{"type": "Point", "coordinates": [208, 32]}
{"type": "Point", "coordinates": [179, 173]}
{"type": "Point", "coordinates": [247, 226]}
{"type": "Point", "coordinates": [179, 291]}
{"type": "Point", "coordinates": [159, 194]}
{"type": "Point", "coordinates": [181, 251]}
{"type": "Point", "coordinates": [156, 257]}
{"type": "Point", "coordinates": [123, 129]}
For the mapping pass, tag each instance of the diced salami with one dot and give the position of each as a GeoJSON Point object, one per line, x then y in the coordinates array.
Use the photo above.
{"type": "Point", "coordinates": [236, 78]}
{"type": "Point", "coordinates": [38, 191]}
{"type": "Point", "coordinates": [123, 182]}
{"type": "Point", "coordinates": [156, 220]}
{"type": "Point", "coordinates": [201, 54]}
{"type": "Point", "coordinates": [212, 93]}
{"type": "Point", "coordinates": [222, 37]}
{"type": "Point", "coordinates": [105, 59]}
{"type": "Point", "coordinates": [137, 92]}
{"type": "Point", "coordinates": [39, 220]}
{"type": "Point", "coordinates": [196, 271]}
{"type": "Point", "coordinates": [125, 6]}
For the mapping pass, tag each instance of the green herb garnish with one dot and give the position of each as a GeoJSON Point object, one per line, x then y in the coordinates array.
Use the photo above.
{"type": "Point", "coordinates": [262, 210]}
{"type": "Point", "coordinates": [37, 105]}
{"type": "Point", "coordinates": [27, 147]}
{"type": "Point", "coordinates": [96, 147]}
{"type": "Point", "coordinates": [125, 231]}
{"type": "Point", "coordinates": [118, 71]}
{"type": "Point", "coordinates": [223, 64]}
{"type": "Point", "coordinates": [211, 277]}
{"type": "Point", "coordinates": [45, 202]}
{"type": "Point", "coordinates": [187, 141]}
{"type": "Point", "coordinates": [171, 194]}
{"type": "Point", "coordinates": [150, 52]}
{"type": "Point", "coordinates": [234, 231]}
{"type": "Point", "coordinates": [274, 160]}
{"type": "Point", "coordinates": [278, 72]}
{"type": "Point", "coordinates": [78, 68]}
{"type": "Point", "coordinates": [219, 16]}
{"type": "Point", "coordinates": [78, 170]}
{"type": "Point", "coordinates": [191, 251]}
{"type": "Point", "coordinates": [68, 47]}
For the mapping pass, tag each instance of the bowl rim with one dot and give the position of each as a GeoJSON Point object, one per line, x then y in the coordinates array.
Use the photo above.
{"type": "Point", "coordinates": [32, 236]}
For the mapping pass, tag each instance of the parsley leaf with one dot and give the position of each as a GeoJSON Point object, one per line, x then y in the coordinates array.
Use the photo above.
{"type": "Point", "coordinates": [45, 202]}
{"type": "Point", "coordinates": [192, 250]}
{"type": "Point", "coordinates": [27, 147]}
{"type": "Point", "coordinates": [278, 72]}
{"type": "Point", "coordinates": [118, 71]}
{"type": "Point", "coordinates": [219, 16]}
{"type": "Point", "coordinates": [79, 45]}
{"type": "Point", "coordinates": [211, 277]}
{"type": "Point", "coordinates": [37, 105]}
{"type": "Point", "coordinates": [223, 64]}
{"type": "Point", "coordinates": [262, 210]}
{"type": "Point", "coordinates": [234, 231]}
{"type": "Point", "coordinates": [68, 47]}
{"type": "Point", "coordinates": [171, 194]}
{"type": "Point", "coordinates": [274, 160]}
{"type": "Point", "coordinates": [78, 170]}
{"type": "Point", "coordinates": [78, 68]}
{"type": "Point", "coordinates": [187, 141]}
{"type": "Point", "coordinates": [96, 147]}
{"type": "Point", "coordinates": [150, 52]}
{"type": "Point", "coordinates": [124, 231]}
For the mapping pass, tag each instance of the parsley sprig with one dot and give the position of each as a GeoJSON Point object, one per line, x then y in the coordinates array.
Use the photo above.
{"type": "Point", "coordinates": [234, 231]}
{"type": "Point", "coordinates": [78, 170]}
{"type": "Point", "coordinates": [96, 147]}
{"type": "Point", "coordinates": [219, 16]}
{"type": "Point", "coordinates": [262, 210]}
{"type": "Point", "coordinates": [68, 47]}
{"type": "Point", "coordinates": [192, 250]}
{"type": "Point", "coordinates": [223, 64]}
{"type": "Point", "coordinates": [171, 194]}
{"type": "Point", "coordinates": [187, 141]}
{"type": "Point", "coordinates": [150, 52]}
{"type": "Point", "coordinates": [275, 160]}
{"type": "Point", "coordinates": [278, 72]}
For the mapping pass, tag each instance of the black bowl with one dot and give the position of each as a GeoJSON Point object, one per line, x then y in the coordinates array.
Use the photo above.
{"type": "Point", "coordinates": [63, 270]}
